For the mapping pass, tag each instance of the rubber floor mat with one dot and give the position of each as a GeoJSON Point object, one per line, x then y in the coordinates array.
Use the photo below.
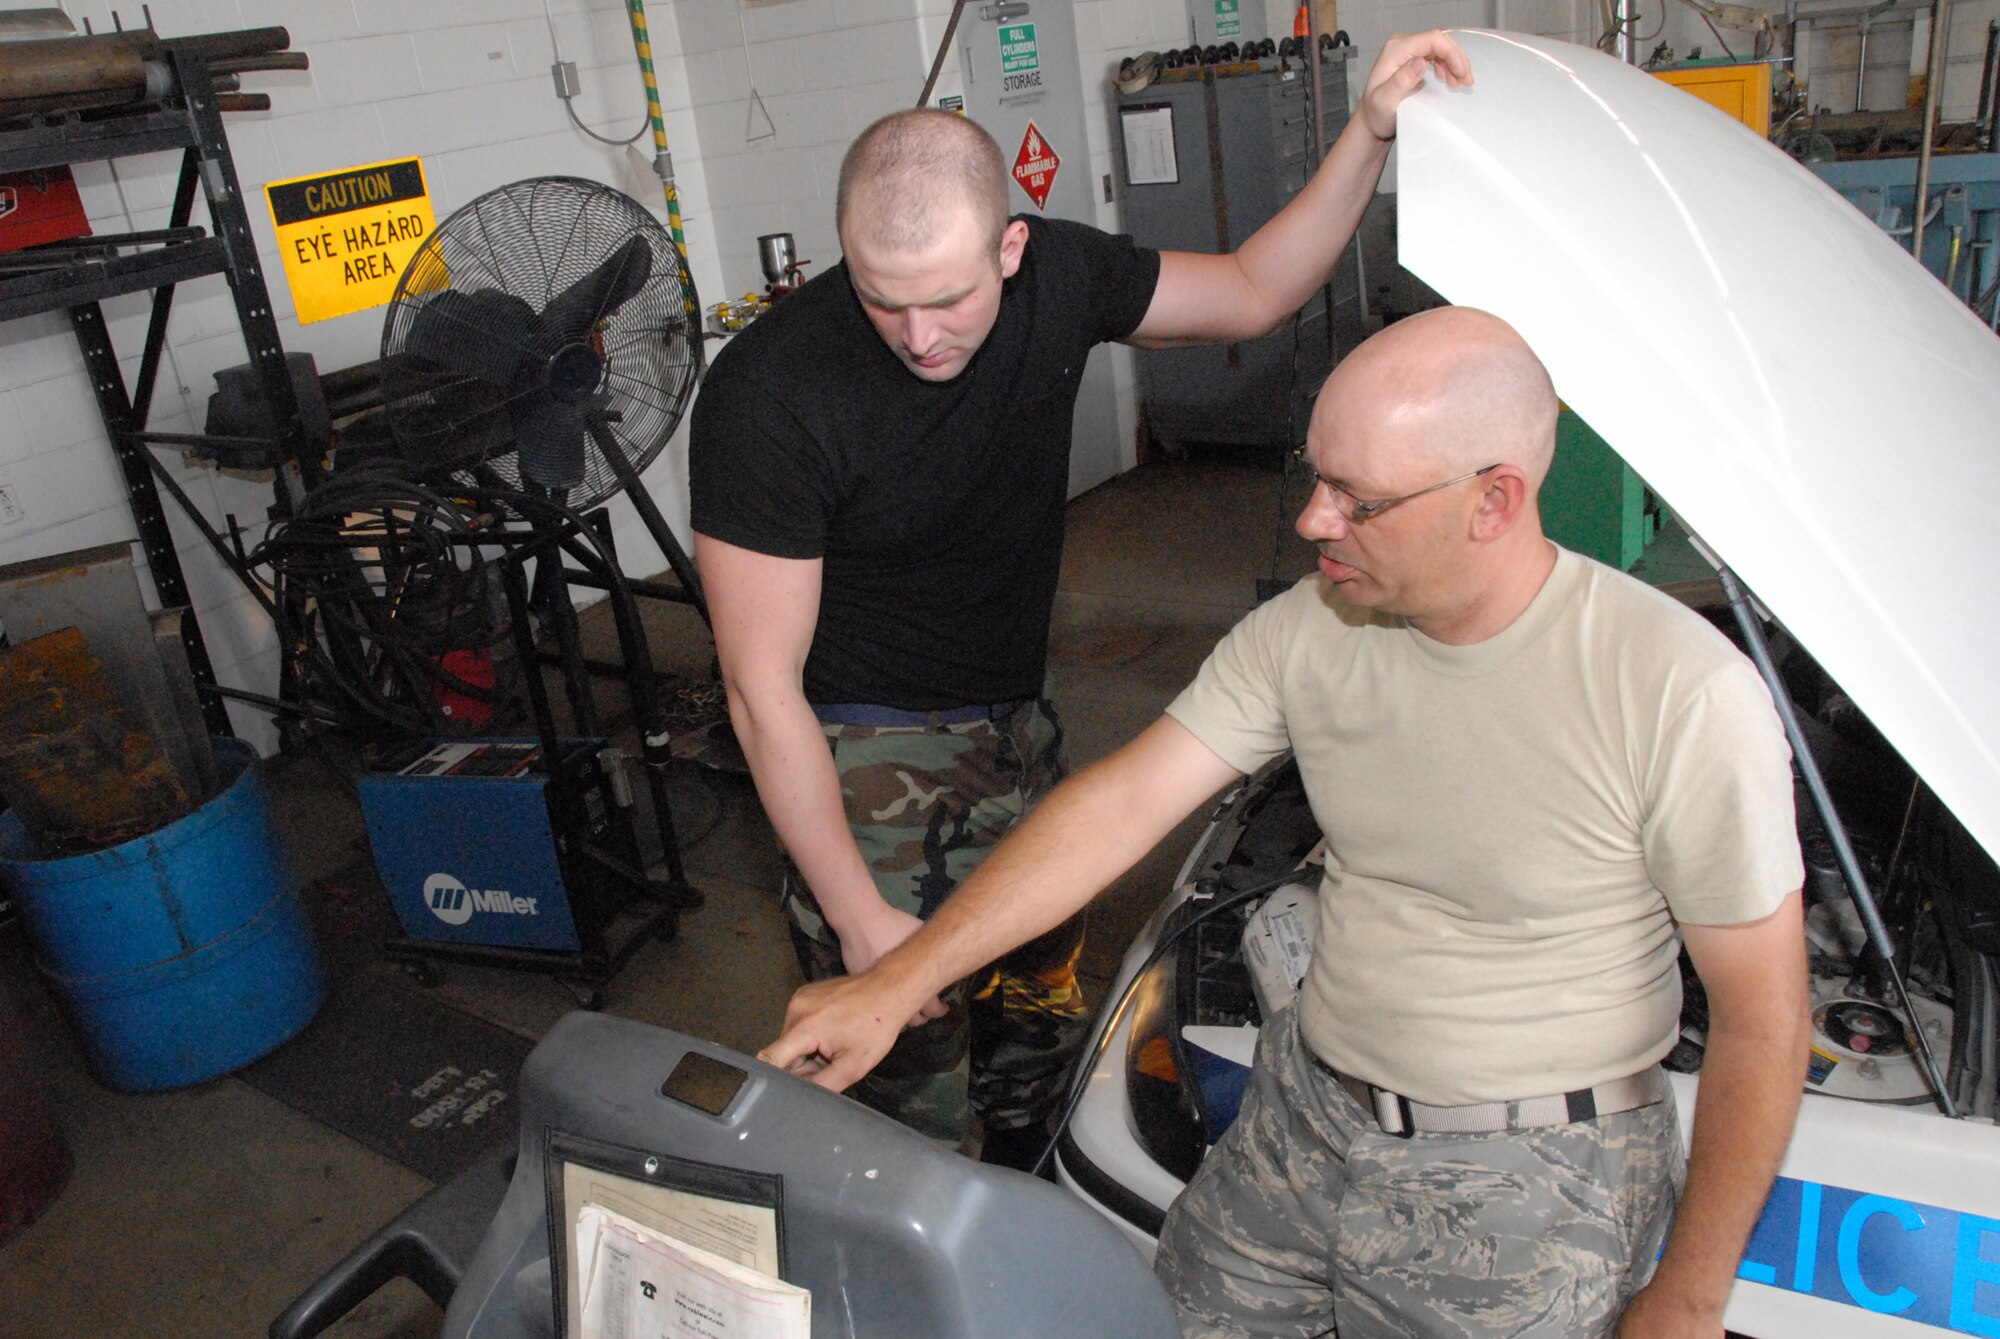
{"type": "Point", "coordinates": [411, 1078]}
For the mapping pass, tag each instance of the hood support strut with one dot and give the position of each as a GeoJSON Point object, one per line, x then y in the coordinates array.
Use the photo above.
{"type": "Point", "coordinates": [1836, 831]}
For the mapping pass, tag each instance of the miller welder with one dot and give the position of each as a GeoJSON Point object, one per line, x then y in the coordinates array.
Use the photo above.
{"type": "Point", "coordinates": [510, 853]}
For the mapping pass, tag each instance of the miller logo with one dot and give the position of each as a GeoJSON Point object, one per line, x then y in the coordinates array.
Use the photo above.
{"type": "Point", "coordinates": [453, 903]}
{"type": "Point", "coordinates": [10, 200]}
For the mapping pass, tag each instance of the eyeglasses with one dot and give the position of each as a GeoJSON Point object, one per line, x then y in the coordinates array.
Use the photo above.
{"type": "Point", "coordinates": [1358, 509]}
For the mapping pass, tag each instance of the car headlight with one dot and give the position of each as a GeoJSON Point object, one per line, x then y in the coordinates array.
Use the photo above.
{"type": "Point", "coordinates": [1182, 1098]}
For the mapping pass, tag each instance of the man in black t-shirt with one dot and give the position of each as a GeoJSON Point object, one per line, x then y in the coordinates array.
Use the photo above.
{"type": "Point", "coordinates": [878, 470]}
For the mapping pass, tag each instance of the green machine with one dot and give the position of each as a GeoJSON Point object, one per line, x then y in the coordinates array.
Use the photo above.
{"type": "Point", "coordinates": [1592, 502]}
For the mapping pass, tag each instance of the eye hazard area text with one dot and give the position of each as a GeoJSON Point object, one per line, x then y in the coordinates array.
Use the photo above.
{"type": "Point", "coordinates": [345, 237]}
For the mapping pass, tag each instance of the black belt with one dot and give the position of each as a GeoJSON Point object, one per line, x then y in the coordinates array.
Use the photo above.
{"type": "Point", "coordinates": [863, 713]}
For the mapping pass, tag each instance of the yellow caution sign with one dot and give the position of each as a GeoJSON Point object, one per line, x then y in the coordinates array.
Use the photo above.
{"type": "Point", "coordinates": [346, 236]}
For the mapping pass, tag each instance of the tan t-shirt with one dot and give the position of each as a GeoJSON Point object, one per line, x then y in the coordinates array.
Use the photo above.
{"type": "Point", "coordinates": [1513, 826]}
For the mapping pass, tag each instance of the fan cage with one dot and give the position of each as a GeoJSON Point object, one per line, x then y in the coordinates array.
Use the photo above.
{"type": "Point", "coordinates": [509, 254]}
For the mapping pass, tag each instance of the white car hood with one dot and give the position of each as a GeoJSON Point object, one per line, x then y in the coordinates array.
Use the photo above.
{"type": "Point", "coordinates": [1807, 398]}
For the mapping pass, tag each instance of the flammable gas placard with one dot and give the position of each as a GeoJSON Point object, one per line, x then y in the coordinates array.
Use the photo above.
{"type": "Point", "coordinates": [346, 236]}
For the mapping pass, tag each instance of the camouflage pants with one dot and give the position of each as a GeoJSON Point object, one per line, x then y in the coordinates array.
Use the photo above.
{"type": "Point", "coordinates": [1307, 1220]}
{"type": "Point", "coordinates": [926, 804]}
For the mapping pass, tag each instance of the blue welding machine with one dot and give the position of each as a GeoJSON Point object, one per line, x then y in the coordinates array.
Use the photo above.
{"type": "Point", "coordinates": [493, 852]}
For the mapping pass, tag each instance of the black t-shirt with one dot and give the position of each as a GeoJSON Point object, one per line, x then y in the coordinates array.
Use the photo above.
{"type": "Point", "coordinates": [936, 507]}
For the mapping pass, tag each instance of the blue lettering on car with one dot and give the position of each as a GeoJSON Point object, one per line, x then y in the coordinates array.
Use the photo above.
{"type": "Point", "coordinates": [1918, 1262]}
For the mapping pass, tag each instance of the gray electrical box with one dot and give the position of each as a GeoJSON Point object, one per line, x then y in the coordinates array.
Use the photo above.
{"type": "Point", "coordinates": [1208, 155]}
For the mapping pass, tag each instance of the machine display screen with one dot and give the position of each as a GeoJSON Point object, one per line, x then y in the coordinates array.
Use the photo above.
{"type": "Point", "coordinates": [703, 1083]}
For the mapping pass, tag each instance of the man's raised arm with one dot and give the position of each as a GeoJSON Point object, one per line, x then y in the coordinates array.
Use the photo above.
{"type": "Point", "coordinates": [1084, 834]}
{"type": "Point", "coordinates": [1205, 299]}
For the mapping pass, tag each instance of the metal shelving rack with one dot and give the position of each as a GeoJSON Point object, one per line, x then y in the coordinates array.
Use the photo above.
{"type": "Point", "coordinates": [192, 123]}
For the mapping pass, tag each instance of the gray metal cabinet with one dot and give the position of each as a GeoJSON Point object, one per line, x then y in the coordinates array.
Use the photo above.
{"type": "Point", "coordinates": [1240, 148]}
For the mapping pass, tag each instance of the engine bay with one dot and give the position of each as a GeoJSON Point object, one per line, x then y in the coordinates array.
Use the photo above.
{"type": "Point", "coordinates": [1937, 891]}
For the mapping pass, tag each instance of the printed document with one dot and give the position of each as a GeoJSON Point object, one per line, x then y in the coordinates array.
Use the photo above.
{"type": "Point", "coordinates": [636, 1283]}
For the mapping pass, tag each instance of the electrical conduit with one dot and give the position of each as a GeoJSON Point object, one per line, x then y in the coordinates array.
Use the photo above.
{"type": "Point", "coordinates": [663, 160]}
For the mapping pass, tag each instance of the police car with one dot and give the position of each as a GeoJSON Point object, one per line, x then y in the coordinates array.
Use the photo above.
{"type": "Point", "coordinates": [1819, 411]}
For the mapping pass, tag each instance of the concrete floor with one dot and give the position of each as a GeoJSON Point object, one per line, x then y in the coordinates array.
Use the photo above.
{"type": "Point", "coordinates": [203, 1212]}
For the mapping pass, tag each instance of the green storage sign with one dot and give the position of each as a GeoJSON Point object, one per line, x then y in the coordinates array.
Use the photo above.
{"type": "Point", "coordinates": [1018, 51]}
{"type": "Point", "coordinates": [1228, 21]}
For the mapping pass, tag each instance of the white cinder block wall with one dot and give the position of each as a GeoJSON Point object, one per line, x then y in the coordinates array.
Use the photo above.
{"type": "Point", "coordinates": [762, 96]}
{"type": "Point", "coordinates": [465, 85]}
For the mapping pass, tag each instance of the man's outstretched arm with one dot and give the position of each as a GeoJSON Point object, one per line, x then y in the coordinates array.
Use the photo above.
{"type": "Point", "coordinates": [1084, 834]}
{"type": "Point", "coordinates": [1751, 1078]}
{"type": "Point", "coordinates": [1204, 299]}
{"type": "Point", "coordinates": [764, 611]}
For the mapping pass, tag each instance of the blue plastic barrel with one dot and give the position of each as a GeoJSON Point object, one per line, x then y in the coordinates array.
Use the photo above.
{"type": "Point", "coordinates": [179, 955]}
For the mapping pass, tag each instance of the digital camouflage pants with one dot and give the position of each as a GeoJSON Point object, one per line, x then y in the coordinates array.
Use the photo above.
{"type": "Point", "coordinates": [1307, 1220]}
{"type": "Point", "coordinates": [926, 804]}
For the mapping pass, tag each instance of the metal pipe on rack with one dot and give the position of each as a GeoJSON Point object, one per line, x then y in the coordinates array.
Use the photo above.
{"type": "Point", "coordinates": [113, 69]}
{"type": "Point", "coordinates": [100, 246]}
{"type": "Point", "coordinates": [229, 45]}
{"type": "Point", "coordinates": [275, 60]}
{"type": "Point", "coordinates": [70, 72]}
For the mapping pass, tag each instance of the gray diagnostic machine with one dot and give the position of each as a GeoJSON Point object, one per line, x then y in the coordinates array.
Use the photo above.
{"type": "Point", "coordinates": [891, 1235]}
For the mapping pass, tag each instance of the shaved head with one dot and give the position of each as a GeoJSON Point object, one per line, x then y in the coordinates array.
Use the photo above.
{"type": "Point", "coordinates": [1462, 384]}
{"type": "Point", "coordinates": [1450, 420]}
{"type": "Point", "coordinates": [913, 174]}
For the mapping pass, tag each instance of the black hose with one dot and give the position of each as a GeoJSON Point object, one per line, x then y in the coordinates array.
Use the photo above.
{"type": "Point", "coordinates": [376, 587]}
{"type": "Point", "coordinates": [1114, 1014]}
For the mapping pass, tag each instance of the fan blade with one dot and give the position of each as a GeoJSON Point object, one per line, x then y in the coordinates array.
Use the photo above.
{"type": "Point", "coordinates": [549, 437]}
{"type": "Point", "coordinates": [482, 334]}
{"type": "Point", "coordinates": [572, 312]}
{"type": "Point", "coordinates": [461, 423]}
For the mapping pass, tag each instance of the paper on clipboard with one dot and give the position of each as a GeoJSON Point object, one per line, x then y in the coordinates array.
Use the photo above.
{"type": "Point", "coordinates": [640, 1285]}
{"type": "Point", "coordinates": [682, 1222]}
{"type": "Point", "coordinates": [1150, 156]}
{"type": "Point", "coordinates": [744, 1233]}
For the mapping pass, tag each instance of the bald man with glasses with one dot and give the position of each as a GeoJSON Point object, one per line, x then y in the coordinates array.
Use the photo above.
{"type": "Point", "coordinates": [1538, 779]}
